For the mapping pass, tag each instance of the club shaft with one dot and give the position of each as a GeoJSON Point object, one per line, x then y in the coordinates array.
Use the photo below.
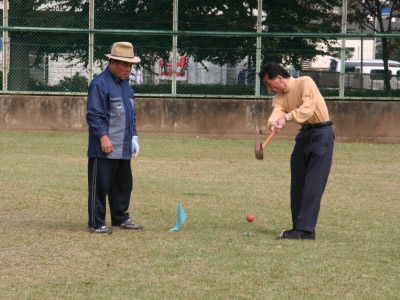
{"type": "Point", "coordinates": [268, 139]}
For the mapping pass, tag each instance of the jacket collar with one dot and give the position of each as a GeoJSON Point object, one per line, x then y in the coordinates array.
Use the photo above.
{"type": "Point", "coordinates": [114, 78]}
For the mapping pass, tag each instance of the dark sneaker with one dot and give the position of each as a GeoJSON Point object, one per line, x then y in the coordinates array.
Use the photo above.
{"type": "Point", "coordinates": [128, 224]}
{"type": "Point", "coordinates": [298, 235]}
{"type": "Point", "coordinates": [102, 229]}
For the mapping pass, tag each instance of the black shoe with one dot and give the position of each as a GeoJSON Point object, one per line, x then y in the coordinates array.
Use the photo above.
{"type": "Point", "coordinates": [279, 237]}
{"type": "Point", "coordinates": [298, 235]}
{"type": "Point", "coordinates": [102, 229]}
{"type": "Point", "coordinates": [128, 224]}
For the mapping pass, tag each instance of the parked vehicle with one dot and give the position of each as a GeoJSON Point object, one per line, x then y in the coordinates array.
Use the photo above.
{"type": "Point", "coordinates": [354, 65]}
{"type": "Point", "coordinates": [370, 74]}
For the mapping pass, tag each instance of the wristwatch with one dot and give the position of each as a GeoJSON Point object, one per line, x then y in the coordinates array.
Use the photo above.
{"type": "Point", "coordinates": [287, 117]}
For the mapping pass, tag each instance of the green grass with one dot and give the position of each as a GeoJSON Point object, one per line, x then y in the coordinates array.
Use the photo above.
{"type": "Point", "coordinates": [46, 253]}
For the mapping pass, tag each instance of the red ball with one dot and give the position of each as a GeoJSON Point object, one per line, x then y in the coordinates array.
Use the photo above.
{"type": "Point", "coordinates": [250, 218]}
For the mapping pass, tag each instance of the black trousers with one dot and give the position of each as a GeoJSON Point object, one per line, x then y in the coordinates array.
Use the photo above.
{"type": "Point", "coordinates": [310, 164]}
{"type": "Point", "coordinates": [112, 178]}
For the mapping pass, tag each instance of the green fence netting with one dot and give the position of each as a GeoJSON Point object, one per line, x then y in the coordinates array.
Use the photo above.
{"type": "Point", "coordinates": [211, 46]}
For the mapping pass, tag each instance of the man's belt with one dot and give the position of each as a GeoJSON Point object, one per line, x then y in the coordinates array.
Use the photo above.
{"type": "Point", "coordinates": [316, 125]}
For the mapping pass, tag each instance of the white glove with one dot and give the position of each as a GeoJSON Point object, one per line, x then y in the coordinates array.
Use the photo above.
{"type": "Point", "coordinates": [135, 146]}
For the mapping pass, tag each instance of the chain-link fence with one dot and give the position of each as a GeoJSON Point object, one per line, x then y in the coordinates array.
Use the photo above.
{"type": "Point", "coordinates": [201, 47]}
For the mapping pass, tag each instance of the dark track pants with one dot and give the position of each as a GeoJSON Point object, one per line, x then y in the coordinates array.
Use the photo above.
{"type": "Point", "coordinates": [112, 178]}
{"type": "Point", "coordinates": [310, 164]}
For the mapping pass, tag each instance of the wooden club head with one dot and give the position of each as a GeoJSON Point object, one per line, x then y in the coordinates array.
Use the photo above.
{"type": "Point", "coordinates": [258, 150]}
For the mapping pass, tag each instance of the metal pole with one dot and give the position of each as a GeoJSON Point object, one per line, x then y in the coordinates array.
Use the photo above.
{"type": "Point", "coordinates": [91, 40]}
{"type": "Point", "coordinates": [362, 62]}
{"type": "Point", "coordinates": [174, 46]}
{"type": "Point", "coordinates": [343, 49]}
{"type": "Point", "coordinates": [259, 44]}
{"type": "Point", "coordinates": [5, 45]}
{"type": "Point", "coordinates": [202, 33]}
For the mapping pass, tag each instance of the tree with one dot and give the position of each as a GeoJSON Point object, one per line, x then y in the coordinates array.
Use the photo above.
{"type": "Point", "coordinates": [215, 15]}
{"type": "Point", "coordinates": [233, 15]}
{"type": "Point", "coordinates": [19, 12]}
{"type": "Point", "coordinates": [28, 48]}
{"type": "Point", "coordinates": [298, 16]}
{"type": "Point", "coordinates": [394, 49]}
{"type": "Point", "coordinates": [376, 15]}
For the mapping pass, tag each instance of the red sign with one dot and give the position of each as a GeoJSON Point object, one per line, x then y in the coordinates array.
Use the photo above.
{"type": "Point", "coordinates": [166, 69]}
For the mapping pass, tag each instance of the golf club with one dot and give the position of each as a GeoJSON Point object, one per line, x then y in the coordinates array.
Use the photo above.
{"type": "Point", "coordinates": [259, 148]}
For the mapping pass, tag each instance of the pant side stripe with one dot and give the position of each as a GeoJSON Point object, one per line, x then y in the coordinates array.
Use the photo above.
{"type": "Point", "coordinates": [94, 181]}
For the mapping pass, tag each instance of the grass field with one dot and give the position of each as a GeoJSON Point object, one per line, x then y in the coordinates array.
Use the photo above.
{"type": "Point", "coordinates": [46, 252]}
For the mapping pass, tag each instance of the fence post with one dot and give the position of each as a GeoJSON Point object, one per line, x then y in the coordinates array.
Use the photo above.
{"type": "Point", "coordinates": [91, 39]}
{"type": "Point", "coordinates": [5, 45]}
{"type": "Point", "coordinates": [174, 46]}
{"type": "Point", "coordinates": [258, 51]}
{"type": "Point", "coordinates": [343, 49]}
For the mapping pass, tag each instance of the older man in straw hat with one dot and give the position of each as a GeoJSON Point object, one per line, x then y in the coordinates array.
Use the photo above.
{"type": "Point", "coordinates": [113, 141]}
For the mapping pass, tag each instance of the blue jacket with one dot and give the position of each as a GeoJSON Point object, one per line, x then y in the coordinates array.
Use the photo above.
{"type": "Point", "coordinates": [111, 111]}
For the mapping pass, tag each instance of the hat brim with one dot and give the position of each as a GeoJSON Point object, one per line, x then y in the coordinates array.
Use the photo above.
{"type": "Point", "coordinates": [133, 60]}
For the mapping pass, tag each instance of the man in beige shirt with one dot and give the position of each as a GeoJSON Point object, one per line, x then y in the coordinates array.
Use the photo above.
{"type": "Point", "coordinates": [299, 100]}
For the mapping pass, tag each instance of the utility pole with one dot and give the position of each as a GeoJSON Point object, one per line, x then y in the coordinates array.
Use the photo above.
{"type": "Point", "coordinates": [343, 50]}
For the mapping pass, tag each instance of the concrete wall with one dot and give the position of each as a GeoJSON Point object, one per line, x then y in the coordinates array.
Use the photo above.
{"type": "Point", "coordinates": [353, 120]}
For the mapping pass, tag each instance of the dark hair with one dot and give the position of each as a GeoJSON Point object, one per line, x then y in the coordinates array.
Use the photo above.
{"type": "Point", "coordinates": [273, 69]}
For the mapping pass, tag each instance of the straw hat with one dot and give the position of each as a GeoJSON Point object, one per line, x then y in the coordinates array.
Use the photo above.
{"type": "Point", "coordinates": [123, 51]}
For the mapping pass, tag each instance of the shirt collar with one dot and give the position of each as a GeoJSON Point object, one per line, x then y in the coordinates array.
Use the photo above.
{"type": "Point", "coordinates": [115, 78]}
{"type": "Point", "coordinates": [286, 89]}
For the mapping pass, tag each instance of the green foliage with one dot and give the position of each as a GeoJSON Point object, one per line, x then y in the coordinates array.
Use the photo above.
{"type": "Point", "coordinates": [152, 89]}
{"type": "Point", "coordinates": [376, 94]}
{"type": "Point", "coordinates": [77, 83]}
{"type": "Point", "coordinates": [217, 89]}
{"type": "Point", "coordinates": [195, 89]}
{"type": "Point", "coordinates": [361, 93]}
{"type": "Point", "coordinates": [291, 16]}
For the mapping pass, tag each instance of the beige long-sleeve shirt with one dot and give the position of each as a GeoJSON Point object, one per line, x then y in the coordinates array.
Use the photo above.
{"type": "Point", "coordinates": [303, 102]}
